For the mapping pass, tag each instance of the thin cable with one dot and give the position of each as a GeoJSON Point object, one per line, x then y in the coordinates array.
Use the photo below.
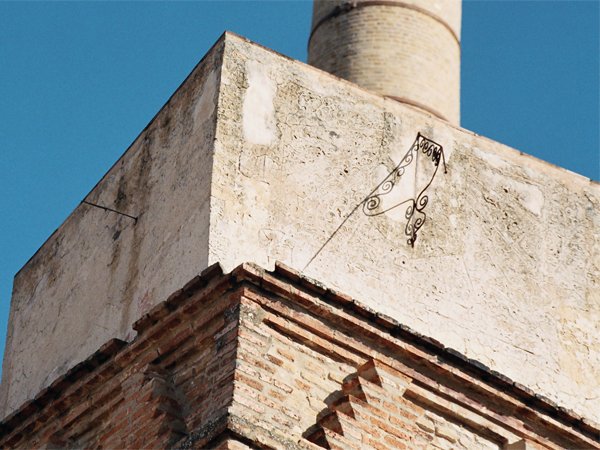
{"type": "Point", "coordinates": [105, 208]}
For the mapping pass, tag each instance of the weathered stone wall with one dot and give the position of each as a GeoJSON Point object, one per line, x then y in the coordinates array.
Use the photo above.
{"type": "Point", "coordinates": [505, 267]}
{"type": "Point", "coordinates": [407, 50]}
{"type": "Point", "coordinates": [100, 270]}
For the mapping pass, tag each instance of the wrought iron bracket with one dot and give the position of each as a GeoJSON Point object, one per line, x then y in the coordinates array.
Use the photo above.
{"type": "Point", "coordinates": [422, 148]}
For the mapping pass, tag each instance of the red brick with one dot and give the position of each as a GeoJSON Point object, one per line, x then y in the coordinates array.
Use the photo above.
{"type": "Point", "coordinates": [286, 354]}
{"type": "Point", "coordinates": [252, 382]}
{"type": "Point", "coordinates": [279, 376]}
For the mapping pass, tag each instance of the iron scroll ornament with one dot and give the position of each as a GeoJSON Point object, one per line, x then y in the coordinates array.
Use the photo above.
{"type": "Point", "coordinates": [414, 213]}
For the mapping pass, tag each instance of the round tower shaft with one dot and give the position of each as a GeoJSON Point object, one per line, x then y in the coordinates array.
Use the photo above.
{"type": "Point", "coordinates": [407, 50]}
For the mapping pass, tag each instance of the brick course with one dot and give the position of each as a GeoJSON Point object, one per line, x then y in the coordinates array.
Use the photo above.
{"type": "Point", "coordinates": [409, 51]}
{"type": "Point", "coordinates": [274, 360]}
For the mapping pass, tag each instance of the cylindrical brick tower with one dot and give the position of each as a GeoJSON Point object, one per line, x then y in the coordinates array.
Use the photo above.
{"type": "Point", "coordinates": [408, 50]}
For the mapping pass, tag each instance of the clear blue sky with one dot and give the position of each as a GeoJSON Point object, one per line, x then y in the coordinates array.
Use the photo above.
{"type": "Point", "coordinates": [80, 80]}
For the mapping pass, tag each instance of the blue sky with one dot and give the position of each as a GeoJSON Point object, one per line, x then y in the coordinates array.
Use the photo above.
{"type": "Point", "coordinates": [80, 80]}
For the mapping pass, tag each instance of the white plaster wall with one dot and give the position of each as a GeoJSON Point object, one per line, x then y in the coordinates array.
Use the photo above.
{"type": "Point", "coordinates": [99, 272]}
{"type": "Point", "coordinates": [505, 268]}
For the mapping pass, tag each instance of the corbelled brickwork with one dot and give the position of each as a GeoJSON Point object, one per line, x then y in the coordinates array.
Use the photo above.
{"type": "Point", "coordinates": [256, 359]}
{"type": "Point", "coordinates": [260, 158]}
{"type": "Point", "coordinates": [406, 50]}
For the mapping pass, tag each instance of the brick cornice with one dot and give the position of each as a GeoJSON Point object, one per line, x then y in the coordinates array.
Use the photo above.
{"type": "Point", "coordinates": [313, 295]}
{"type": "Point", "coordinates": [211, 317]}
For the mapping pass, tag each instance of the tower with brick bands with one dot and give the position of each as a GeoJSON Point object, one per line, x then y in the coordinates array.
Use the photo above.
{"type": "Point", "coordinates": [406, 50]}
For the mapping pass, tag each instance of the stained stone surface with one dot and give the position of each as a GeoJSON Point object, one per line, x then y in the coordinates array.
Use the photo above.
{"type": "Point", "coordinates": [100, 271]}
{"type": "Point", "coordinates": [261, 158]}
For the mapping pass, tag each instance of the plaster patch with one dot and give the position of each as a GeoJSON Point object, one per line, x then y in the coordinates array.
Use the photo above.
{"type": "Point", "coordinates": [492, 159]}
{"type": "Point", "coordinates": [530, 196]}
{"type": "Point", "coordinates": [259, 109]}
{"type": "Point", "coordinates": [205, 105]}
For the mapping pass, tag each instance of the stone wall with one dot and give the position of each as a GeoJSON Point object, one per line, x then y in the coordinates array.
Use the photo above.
{"type": "Point", "coordinates": [261, 158]}
{"type": "Point", "coordinates": [406, 50]}
{"type": "Point", "coordinates": [505, 267]}
{"type": "Point", "coordinates": [100, 270]}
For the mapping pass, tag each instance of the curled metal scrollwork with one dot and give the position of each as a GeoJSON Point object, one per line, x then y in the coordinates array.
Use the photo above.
{"type": "Point", "coordinates": [415, 215]}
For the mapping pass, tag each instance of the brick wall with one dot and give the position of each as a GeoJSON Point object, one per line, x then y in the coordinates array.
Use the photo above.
{"type": "Point", "coordinates": [273, 360]}
{"type": "Point", "coordinates": [406, 50]}
{"type": "Point", "coordinates": [176, 376]}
